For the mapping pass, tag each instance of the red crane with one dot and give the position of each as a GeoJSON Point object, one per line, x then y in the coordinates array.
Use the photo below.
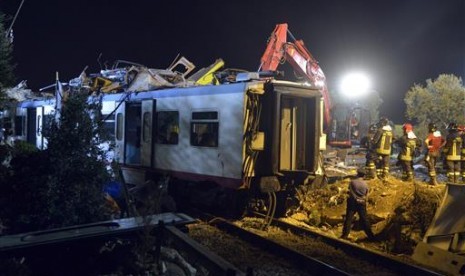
{"type": "Point", "coordinates": [295, 52]}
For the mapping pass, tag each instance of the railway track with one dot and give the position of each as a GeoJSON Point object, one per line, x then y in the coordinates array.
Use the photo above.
{"type": "Point", "coordinates": [84, 249]}
{"type": "Point", "coordinates": [214, 264]}
{"type": "Point", "coordinates": [301, 247]}
{"type": "Point", "coordinates": [397, 265]}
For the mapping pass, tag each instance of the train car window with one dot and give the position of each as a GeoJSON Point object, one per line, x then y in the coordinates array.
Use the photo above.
{"type": "Point", "coordinates": [204, 129]}
{"type": "Point", "coordinates": [167, 127]}
{"type": "Point", "coordinates": [119, 126]}
{"type": "Point", "coordinates": [109, 126]}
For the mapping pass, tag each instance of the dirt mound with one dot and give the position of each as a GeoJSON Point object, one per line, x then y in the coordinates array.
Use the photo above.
{"type": "Point", "coordinates": [400, 212]}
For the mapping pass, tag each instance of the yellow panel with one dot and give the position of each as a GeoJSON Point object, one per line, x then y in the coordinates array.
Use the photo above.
{"type": "Point", "coordinates": [208, 77]}
{"type": "Point", "coordinates": [258, 142]}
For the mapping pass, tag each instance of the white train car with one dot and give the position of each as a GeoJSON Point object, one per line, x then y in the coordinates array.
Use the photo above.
{"type": "Point", "coordinates": [228, 134]}
{"type": "Point", "coordinates": [261, 135]}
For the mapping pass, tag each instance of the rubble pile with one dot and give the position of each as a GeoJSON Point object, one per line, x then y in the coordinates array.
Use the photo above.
{"type": "Point", "coordinates": [400, 212]}
{"type": "Point", "coordinates": [125, 76]}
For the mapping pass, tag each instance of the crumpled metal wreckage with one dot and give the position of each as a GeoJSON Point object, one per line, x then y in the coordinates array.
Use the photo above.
{"type": "Point", "coordinates": [128, 76]}
{"type": "Point", "coordinates": [20, 92]}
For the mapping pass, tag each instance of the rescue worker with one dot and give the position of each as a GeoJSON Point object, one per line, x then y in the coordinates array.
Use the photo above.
{"type": "Point", "coordinates": [371, 156]}
{"type": "Point", "coordinates": [357, 203]}
{"type": "Point", "coordinates": [382, 141]}
{"type": "Point", "coordinates": [452, 151]}
{"type": "Point", "coordinates": [434, 142]}
{"type": "Point", "coordinates": [408, 145]}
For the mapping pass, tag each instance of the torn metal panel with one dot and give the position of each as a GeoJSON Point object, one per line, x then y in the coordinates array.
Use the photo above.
{"type": "Point", "coordinates": [182, 66]}
{"type": "Point", "coordinates": [206, 75]}
{"type": "Point", "coordinates": [116, 75]}
{"type": "Point", "coordinates": [20, 92]}
{"type": "Point", "coordinates": [444, 242]}
{"type": "Point", "coordinates": [150, 79]}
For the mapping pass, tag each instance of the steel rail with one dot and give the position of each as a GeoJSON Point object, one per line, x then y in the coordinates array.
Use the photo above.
{"type": "Point", "coordinates": [394, 264]}
{"type": "Point", "coordinates": [311, 265]}
{"type": "Point", "coordinates": [212, 262]}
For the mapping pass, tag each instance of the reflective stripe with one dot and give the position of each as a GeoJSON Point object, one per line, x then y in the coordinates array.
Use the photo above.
{"type": "Point", "coordinates": [384, 145]}
{"type": "Point", "coordinates": [453, 153]}
{"type": "Point", "coordinates": [407, 152]}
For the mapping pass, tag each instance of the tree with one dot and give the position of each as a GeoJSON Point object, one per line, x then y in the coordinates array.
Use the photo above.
{"type": "Point", "coordinates": [441, 101]}
{"type": "Point", "coordinates": [7, 77]}
{"type": "Point", "coordinates": [62, 185]}
{"type": "Point", "coordinates": [78, 163]}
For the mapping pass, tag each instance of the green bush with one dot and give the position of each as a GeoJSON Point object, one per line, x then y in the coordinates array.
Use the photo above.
{"type": "Point", "coordinates": [62, 185]}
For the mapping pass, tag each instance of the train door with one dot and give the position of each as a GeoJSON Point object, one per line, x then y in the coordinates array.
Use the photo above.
{"type": "Point", "coordinates": [119, 133]}
{"type": "Point", "coordinates": [146, 137]}
{"type": "Point", "coordinates": [298, 132]}
{"type": "Point", "coordinates": [44, 116]}
{"type": "Point", "coordinates": [134, 133]}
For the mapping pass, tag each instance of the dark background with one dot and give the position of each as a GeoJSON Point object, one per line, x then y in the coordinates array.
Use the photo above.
{"type": "Point", "coordinates": [397, 43]}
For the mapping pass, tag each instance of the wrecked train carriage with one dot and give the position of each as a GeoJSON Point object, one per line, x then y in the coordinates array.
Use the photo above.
{"type": "Point", "coordinates": [259, 134]}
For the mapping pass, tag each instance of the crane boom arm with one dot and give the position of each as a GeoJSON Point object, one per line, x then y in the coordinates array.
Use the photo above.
{"type": "Point", "coordinates": [279, 50]}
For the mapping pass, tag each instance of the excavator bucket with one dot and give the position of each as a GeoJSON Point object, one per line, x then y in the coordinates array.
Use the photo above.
{"type": "Point", "coordinates": [443, 246]}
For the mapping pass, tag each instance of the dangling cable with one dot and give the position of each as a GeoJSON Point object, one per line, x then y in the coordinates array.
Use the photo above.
{"type": "Point", "coordinates": [273, 209]}
{"type": "Point", "coordinates": [268, 211]}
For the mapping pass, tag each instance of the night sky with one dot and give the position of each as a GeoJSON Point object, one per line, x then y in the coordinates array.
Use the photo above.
{"type": "Point", "coordinates": [396, 43]}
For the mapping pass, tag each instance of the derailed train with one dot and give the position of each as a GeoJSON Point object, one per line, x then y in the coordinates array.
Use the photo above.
{"type": "Point", "coordinates": [246, 133]}
{"type": "Point", "coordinates": [263, 135]}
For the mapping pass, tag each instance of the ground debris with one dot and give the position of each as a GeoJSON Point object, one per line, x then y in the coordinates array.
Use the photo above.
{"type": "Point", "coordinates": [400, 212]}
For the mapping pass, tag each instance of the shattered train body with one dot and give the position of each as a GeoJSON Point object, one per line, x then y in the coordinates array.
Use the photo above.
{"type": "Point", "coordinates": [239, 130]}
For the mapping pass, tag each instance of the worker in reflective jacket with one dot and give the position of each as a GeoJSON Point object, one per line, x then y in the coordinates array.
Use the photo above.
{"type": "Point", "coordinates": [452, 150]}
{"type": "Point", "coordinates": [408, 145]}
{"type": "Point", "coordinates": [382, 142]}
{"type": "Point", "coordinates": [434, 142]}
